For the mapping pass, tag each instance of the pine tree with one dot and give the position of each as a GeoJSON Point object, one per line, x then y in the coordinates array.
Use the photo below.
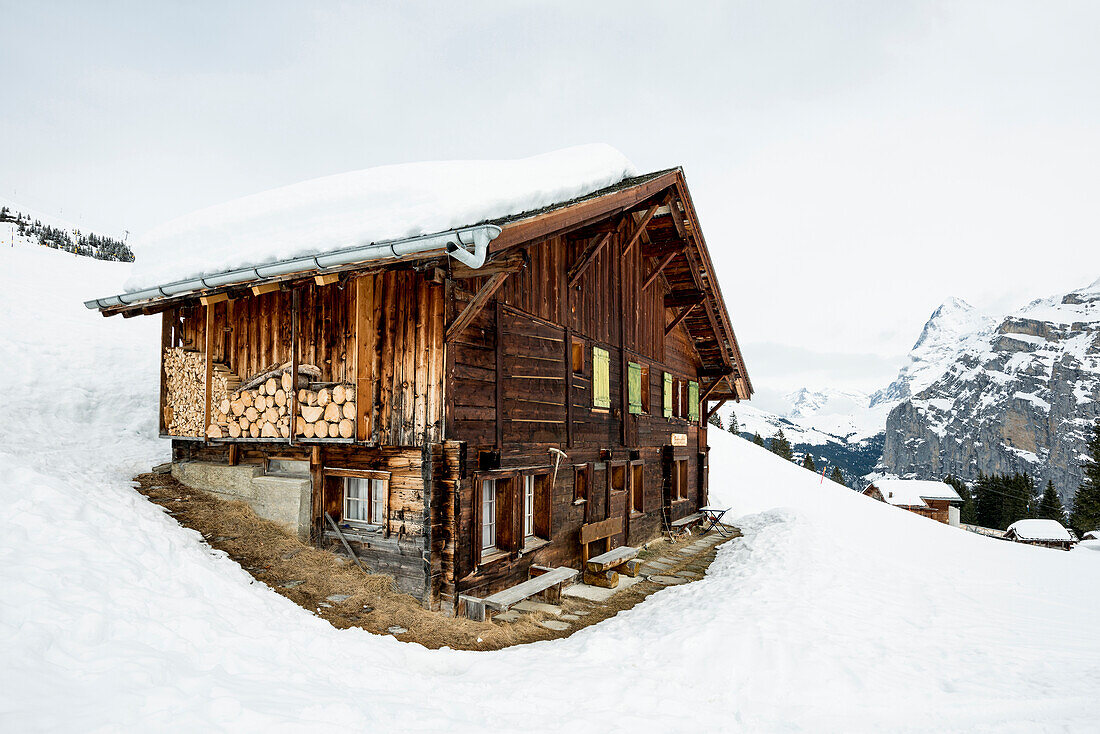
{"type": "Point", "coordinates": [1086, 501]}
{"type": "Point", "coordinates": [757, 440]}
{"type": "Point", "coordinates": [715, 420]}
{"type": "Point", "coordinates": [836, 476]}
{"type": "Point", "coordinates": [780, 446]}
{"type": "Point", "coordinates": [1050, 505]}
{"type": "Point", "coordinates": [735, 427]}
{"type": "Point", "coordinates": [987, 502]}
{"type": "Point", "coordinates": [808, 463]}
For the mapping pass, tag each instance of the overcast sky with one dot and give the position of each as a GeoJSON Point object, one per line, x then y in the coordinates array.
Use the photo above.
{"type": "Point", "coordinates": [853, 163]}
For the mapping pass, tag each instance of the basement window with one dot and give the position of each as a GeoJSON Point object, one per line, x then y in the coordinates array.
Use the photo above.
{"type": "Point", "coordinates": [365, 501]}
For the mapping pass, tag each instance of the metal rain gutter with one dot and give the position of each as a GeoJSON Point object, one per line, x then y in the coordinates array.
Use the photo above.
{"type": "Point", "coordinates": [455, 242]}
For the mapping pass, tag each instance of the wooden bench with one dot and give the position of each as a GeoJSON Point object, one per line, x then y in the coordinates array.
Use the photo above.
{"type": "Point", "coordinates": [603, 570]}
{"type": "Point", "coordinates": [687, 522]}
{"type": "Point", "coordinates": [502, 600]}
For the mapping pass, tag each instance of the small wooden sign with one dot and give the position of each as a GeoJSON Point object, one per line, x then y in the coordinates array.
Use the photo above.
{"type": "Point", "coordinates": [679, 439]}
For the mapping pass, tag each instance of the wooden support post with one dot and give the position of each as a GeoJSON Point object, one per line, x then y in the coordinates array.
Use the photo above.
{"type": "Point", "coordinates": [362, 357]}
{"type": "Point", "coordinates": [259, 290]}
{"type": "Point", "coordinates": [568, 383]}
{"type": "Point", "coordinates": [639, 227]}
{"type": "Point", "coordinates": [676, 215]}
{"type": "Point", "coordinates": [209, 346]}
{"type": "Point", "coordinates": [713, 410]}
{"type": "Point", "coordinates": [294, 309]}
{"type": "Point", "coordinates": [679, 317]}
{"type": "Point", "coordinates": [595, 247]}
{"type": "Point", "coordinates": [499, 375]}
{"type": "Point", "coordinates": [657, 270]}
{"type": "Point", "coordinates": [473, 308]}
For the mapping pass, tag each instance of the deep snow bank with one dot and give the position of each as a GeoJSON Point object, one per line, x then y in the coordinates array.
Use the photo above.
{"type": "Point", "coordinates": [834, 612]}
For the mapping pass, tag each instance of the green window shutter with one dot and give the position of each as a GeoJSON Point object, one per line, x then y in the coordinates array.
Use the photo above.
{"type": "Point", "coordinates": [668, 395]}
{"type": "Point", "coordinates": [634, 386]}
{"type": "Point", "coordinates": [693, 400]}
{"type": "Point", "coordinates": [601, 378]}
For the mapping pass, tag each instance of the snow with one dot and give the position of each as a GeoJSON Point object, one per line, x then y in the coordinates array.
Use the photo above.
{"type": "Point", "coordinates": [913, 492]}
{"type": "Point", "coordinates": [360, 207]}
{"type": "Point", "coordinates": [834, 612]}
{"type": "Point", "coordinates": [1039, 529]}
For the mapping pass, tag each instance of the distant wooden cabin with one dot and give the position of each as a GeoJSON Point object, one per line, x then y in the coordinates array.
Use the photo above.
{"type": "Point", "coordinates": [1042, 532]}
{"type": "Point", "coordinates": [491, 417]}
{"type": "Point", "coordinates": [935, 500]}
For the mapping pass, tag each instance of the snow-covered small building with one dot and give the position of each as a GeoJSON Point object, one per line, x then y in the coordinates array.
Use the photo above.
{"type": "Point", "coordinates": [1091, 535]}
{"type": "Point", "coordinates": [937, 500]}
{"type": "Point", "coordinates": [1039, 531]}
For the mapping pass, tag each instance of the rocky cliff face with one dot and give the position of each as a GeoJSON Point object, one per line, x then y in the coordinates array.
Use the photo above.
{"type": "Point", "coordinates": [1022, 397]}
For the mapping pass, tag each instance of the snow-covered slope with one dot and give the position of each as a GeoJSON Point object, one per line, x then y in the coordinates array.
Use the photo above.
{"type": "Point", "coordinates": [1021, 397]}
{"type": "Point", "coordinates": [372, 205]}
{"type": "Point", "coordinates": [823, 617]}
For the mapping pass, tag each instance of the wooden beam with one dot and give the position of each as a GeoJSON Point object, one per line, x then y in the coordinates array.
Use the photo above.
{"type": "Point", "coordinates": [568, 384]}
{"type": "Point", "coordinates": [512, 262]}
{"type": "Point", "coordinates": [657, 270]}
{"type": "Point", "coordinates": [595, 247]}
{"type": "Point", "coordinates": [473, 308]}
{"type": "Point", "coordinates": [580, 213]}
{"type": "Point", "coordinates": [499, 323]}
{"type": "Point", "coordinates": [326, 278]}
{"type": "Point", "coordinates": [709, 390]}
{"type": "Point", "coordinates": [677, 216]}
{"type": "Point", "coordinates": [684, 298]}
{"type": "Point", "coordinates": [211, 300]}
{"type": "Point", "coordinates": [713, 410]}
{"type": "Point", "coordinates": [639, 227]}
{"type": "Point", "coordinates": [259, 290]}
{"type": "Point", "coordinates": [680, 317]}
{"type": "Point", "coordinates": [209, 345]}
{"type": "Point", "coordinates": [294, 365]}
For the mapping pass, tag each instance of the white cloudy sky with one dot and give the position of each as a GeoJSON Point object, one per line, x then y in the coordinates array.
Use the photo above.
{"type": "Point", "coordinates": [853, 163]}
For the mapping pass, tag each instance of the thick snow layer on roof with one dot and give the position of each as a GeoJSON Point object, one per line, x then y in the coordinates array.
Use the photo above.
{"type": "Point", "coordinates": [1040, 529]}
{"type": "Point", "coordinates": [796, 626]}
{"type": "Point", "coordinates": [360, 207]}
{"type": "Point", "coordinates": [913, 492]}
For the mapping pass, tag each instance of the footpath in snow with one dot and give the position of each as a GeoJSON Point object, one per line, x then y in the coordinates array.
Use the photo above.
{"type": "Point", "coordinates": [832, 613]}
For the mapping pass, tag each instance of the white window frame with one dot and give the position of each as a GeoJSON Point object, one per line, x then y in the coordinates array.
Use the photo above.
{"type": "Point", "coordinates": [488, 514]}
{"type": "Point", "coordinates": [528, 506]}
{"type": "Point", "coordinates": [378, 490]}
{"type": "Point", "coordinates": [357, 502]}
{"type": "Point", "coordinates": [371, 496]}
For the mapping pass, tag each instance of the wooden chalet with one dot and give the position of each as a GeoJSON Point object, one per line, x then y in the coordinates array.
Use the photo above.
{"type": "Point", "coordinates": [466, 428]}
{"type": "Point", "coordinates": [932, 499]}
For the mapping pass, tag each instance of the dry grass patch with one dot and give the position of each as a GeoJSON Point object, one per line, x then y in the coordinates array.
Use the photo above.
{"type": "Point", "coordinates": [276, 557]}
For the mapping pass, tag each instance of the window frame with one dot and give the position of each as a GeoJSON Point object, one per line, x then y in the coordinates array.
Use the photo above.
{"type": "Point", "coordinates": [576, 358]}
{"type": "Point", "coordinates": [584, 470]}
{"type": "Point", "coordinates": [680, 479]}
{"type": "Point", "coordinates": [509, 509]}
{"type": "Point", "coordinates": [371, 476]}
{"type": "Point", "coordinates": [637, 487]}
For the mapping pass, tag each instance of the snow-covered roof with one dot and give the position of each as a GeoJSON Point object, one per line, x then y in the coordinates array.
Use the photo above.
{"type": "Point", "coordinates": [361, 207]}
{"type": "Point", "coordinates": [913, 492]}
{"type": "Point", "coordinates": [1091, 535]}
{"type": "Point", "coordinates": [1039, 529]}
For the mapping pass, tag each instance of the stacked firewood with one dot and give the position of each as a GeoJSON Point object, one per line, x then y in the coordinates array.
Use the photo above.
{"type": "Point", "coordinates": [261, 407]}
{"type": "Point", "coordinates": [185, 390]}
{"type": "Point", "coordinates": [326, 413]}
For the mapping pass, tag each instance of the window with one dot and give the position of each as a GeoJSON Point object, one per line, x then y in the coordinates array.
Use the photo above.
{"type": "Point", "coordinates": [667, 394]}
{"type": "Point", "coordinates": [693, 400]}
{"type": "Point", "coordinates": [578, 357]}
{"type": "Point", "coordinates": [618, 477]}
{"type": "Point", "coordinates": [364, 496]}
{"type": "Point", "coordinates": [677, 398]}
{"type": "Point", "coordinates": [679, 479]}
{"type": "Point", "coordinates": [637, 488]}
{"type": "Point", "coordinates": [601, 378]}
{"type": "Point", "coordinates": [514, 512]}
{"type": "Point", "coordinates": [528, 506]}
{"type": "Point", "coordinates": [644, 380]}
{"type": "Point", "coordinates": [488, 514]}
{"type": "Point", "coordinates": [580, 483]}
{"type": "Point", "coordinates": [634, 386]}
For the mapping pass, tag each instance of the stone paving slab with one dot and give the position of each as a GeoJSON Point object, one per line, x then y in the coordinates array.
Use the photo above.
{"type": "Point", "coordinates": [510, 616]}
{"type": "Point", "coordinates": [668, 580]}
{"type": "Point", "coordinates": [598, 593]}
{"type": "Point", "coordinates": [537, 606]}
{"type": "Point", "coordinates": [554, 624]}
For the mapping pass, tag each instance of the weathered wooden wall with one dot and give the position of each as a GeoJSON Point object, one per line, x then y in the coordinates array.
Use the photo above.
{"type": "Point", "coordinates": [382, 332]}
